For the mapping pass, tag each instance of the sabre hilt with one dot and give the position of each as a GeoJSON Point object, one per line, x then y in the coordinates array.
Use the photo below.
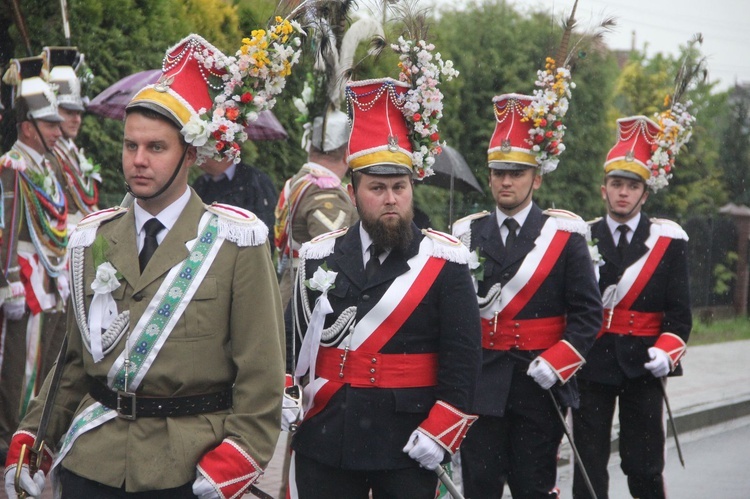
{"type": "Point", "coordinates": [35, 463]}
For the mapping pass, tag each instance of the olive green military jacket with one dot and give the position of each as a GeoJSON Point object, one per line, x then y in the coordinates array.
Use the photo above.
{"type": "Point", "coordinates": [231, 334]}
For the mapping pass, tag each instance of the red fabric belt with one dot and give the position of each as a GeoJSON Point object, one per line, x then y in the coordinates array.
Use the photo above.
{"type": "Point", "coordinates": [632, 323]}
{"type": "Point", "coordinates": [377, 370]}
{"type": "Point", "coordinates": [526, 334]}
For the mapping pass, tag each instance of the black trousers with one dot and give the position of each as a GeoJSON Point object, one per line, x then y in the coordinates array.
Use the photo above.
{"type": "Point", "coordinates": [521, 447]}
{"type": "Point", "coordinates": [315, 480]}
{"type": "Point", "coordinates": [77, 487]}
{"type": "Point", "coordinates": [642, 436]}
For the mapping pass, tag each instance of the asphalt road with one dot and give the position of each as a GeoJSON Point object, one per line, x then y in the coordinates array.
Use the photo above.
{"type": "Point", "coordinates": [715, 466]}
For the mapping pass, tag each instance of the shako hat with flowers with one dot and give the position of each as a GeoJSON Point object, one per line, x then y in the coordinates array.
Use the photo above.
{"type": "Point", "coordinates": [630, 157]}
{"type": "Point", "coordinates": [529, 129]}
{"type": "Point", "coordinates": [646, 149]}
{"type": "Point", "coordinates": [212, 97]}
{"type": "Point", "coordinates": [395, 122]}
{"type": "Point", "coordinates": [33, 98]}
{"type": "Point", "coordinates": [189, 69]}
{"type": "Point", "coordinates": [61, 64]}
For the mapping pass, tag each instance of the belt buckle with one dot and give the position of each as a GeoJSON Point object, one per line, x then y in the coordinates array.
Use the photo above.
{"type": "Point", "coordinates": [126, 396]}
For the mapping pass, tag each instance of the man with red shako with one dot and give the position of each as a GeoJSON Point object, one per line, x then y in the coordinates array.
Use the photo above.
{"type": "Point", "coordinates": [647, 318]}
{"type": "Point", "coordinates": [540, 310]}
{"type": "Point", "coordinates": [390, 326]}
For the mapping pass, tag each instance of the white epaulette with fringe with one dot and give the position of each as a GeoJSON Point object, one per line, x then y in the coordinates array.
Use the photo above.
{"type": "Point", "coordinates": [592, 222]}
{"type": "Point", "coordinates": [462, 225]}
{"type": "Point", "coordinates": [568, 221]}
{"type": "Point", "coordinates": [85, 232]}
{"type": "Point", "coordinates": [670, 229]}
{"type": "Point", "coordinates": [447, 247]}
{"type": "Point", "coordinates": [239, 225]}
{"type": "Point", "coordinates": [321, 246]}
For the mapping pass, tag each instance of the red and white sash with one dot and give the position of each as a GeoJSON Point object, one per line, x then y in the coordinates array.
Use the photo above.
{"type": "Point", "coordinates": [385, 319]}
{"type": "Point", "coordinates": [637, 275]}
{"type": "Point", "coordinates": [534, 269]}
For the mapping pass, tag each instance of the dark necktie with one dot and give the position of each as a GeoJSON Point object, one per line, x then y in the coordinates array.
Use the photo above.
{"type": "Point", "coordinates": [622, 243]}
{"type": "Point", "coordinates": [373, 264]}
{"type": "Point", "coordinates": [510, 239]}
{"type": "Point", "coordinates": [152, 227]}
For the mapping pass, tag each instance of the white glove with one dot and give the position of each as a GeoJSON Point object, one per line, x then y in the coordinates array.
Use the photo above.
{"type": "Point", "coordinates": [542, 373]}
{"type": "Point", "coordinates": [291, 408]}
{"type": "Point", "coordinates": [203, 489]}
{"type": "Point", "coordinates": [659, 364]}
{"type": "Point", "coordinates": [33, 487]}
{"type": "Point", "coordinates": [424, 450]}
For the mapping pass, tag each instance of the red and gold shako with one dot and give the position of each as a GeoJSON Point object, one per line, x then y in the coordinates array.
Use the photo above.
{"type": "Point", "coordinates": [630, 157]}
{"type": "Point", "coordinates": [183, 88]}
{"type": "Point", "coordinates": [379, 141]}
{"type": "Point", "coordinates": [510, 148]}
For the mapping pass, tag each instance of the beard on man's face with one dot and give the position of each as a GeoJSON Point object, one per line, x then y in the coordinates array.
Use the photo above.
{"type": "Point", "coordinates": [394, 234]}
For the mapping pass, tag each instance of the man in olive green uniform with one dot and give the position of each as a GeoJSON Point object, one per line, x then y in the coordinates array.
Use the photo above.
{"type": "Point", "coordinates": [314, 201]}
{"type": "Point", "coordinates": [173, 378]}
{"type": "Point", "coordinates": [33, 221]}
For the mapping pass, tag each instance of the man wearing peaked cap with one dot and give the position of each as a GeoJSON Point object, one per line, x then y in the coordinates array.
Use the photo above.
{"type": "Point", "coordinates": [33, 221]}
{"type": "Point", "coordinates": [538, 301]}
{"type": "Point", "coordinates": [389, 327]}
{"type": "Point", "coordinates": [174, 372]}
{"type": "Point", "coordinates": [643, 277]}
{"type": "Point", "coordinates": [314, 201]}
{"type": "Point", "coordinates": [76, 172]}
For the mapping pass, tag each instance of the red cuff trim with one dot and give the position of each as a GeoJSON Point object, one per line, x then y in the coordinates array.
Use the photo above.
{"type": "Point", "coordinates": [14, 451]}
{"type": "Point", "coordinates": [673, 345]}
{"type": "Point", "coordinates": [447, 425]}
{"type": "Point", "coordinates": [229, 469]}
{"type": "Point", "coordinates": [564, 359]}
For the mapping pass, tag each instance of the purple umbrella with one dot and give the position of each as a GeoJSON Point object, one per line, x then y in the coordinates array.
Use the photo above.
{"type": "Point", "coordinates": [112, 101]}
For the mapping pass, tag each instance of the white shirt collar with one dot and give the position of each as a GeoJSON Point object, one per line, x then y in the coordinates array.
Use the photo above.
{"type": "Point", "coordinates": [168, 217]}
{"type": "Point", "coordinates": [228, 173]}
{"type": "Point", "coordinates": [519, 217]}
{"type": "Point", "coordinates": [366, 241]}
{"type": "Point", "coordinates": [632, 225]}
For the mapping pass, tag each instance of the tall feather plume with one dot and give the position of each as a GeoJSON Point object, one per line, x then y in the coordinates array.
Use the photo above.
{"type": "Point", "coordinates": [364, 30]}
{"type": "Point", "coordinates": [567, 30]}
{"type": "Point", "coordinates": [413, 18]}
{"type": "Point", "coordinates": [591, 36]}
{"type": "Point", "coordinates": [692, 71]}
{"type": "Point", "coordinates": [333, 40]}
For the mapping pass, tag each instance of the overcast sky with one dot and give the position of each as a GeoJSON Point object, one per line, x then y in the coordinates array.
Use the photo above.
{"type": "Point", "coordinates": [664, 25]}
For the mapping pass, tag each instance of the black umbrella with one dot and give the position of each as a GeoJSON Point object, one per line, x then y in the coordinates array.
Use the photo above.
{"type": "Point", "coordinates": [452, 172]}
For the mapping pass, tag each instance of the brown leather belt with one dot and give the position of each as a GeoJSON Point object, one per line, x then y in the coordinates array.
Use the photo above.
{"type": "Point", "coordinates": [377, 370]}
{"type": "Point", "coordinates": [131, 405]}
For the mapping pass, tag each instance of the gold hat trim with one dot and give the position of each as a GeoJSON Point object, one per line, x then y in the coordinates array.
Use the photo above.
{"type": "Point", "coordinates": [512, 157]}
{"type": "Point", "coordinates": [166, 100]}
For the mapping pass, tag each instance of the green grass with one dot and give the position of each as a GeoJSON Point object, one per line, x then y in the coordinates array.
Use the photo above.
{"type": "Point", "coordinates": [717, 331]}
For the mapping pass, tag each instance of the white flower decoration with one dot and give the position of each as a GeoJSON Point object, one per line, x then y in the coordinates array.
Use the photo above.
{"type": "Point", "coordinates": [322, 280]}
{"type": "Point", "coordinates": [196, 131]}
{"type": "Point", "coordinates": [106, 279]}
